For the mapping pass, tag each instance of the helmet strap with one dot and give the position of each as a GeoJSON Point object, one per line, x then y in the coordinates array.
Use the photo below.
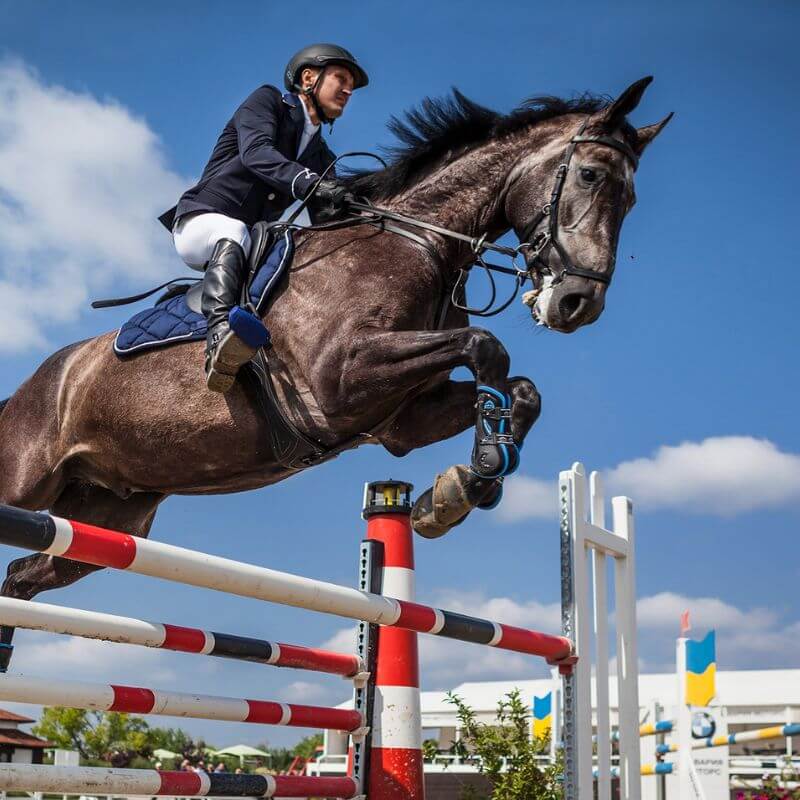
{"type": "Point", "coordinates": [311, 93]}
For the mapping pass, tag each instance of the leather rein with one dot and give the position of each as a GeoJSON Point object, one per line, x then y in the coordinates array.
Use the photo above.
{"type": "Point", "coordinates": [536, 237]}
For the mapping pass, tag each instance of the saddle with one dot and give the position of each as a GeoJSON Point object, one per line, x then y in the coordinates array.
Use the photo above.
{"type": "Point", "coordinates": [176, 316]}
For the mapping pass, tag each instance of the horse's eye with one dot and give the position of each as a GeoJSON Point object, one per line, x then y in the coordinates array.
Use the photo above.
{"type": "Point", "coordinates": [588, 175]}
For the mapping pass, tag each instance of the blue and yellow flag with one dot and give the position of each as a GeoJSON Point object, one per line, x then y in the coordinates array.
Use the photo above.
{"type": "Point", "coordinates": [701, 670]}
{"type": "Point", "coordinates": [542, 716]}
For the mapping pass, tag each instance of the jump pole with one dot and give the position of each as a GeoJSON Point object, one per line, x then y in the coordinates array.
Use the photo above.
{"type": "Point", "coordinates": [773, 732]}
{"type": "Point", "coordinates": [162, 635]}
{"type": "Point", "coordinates": [92, 545]}
{"type": "Point", "coordinates": [140, 700]}
{"type": "Point", "coordinates": [151, 782]}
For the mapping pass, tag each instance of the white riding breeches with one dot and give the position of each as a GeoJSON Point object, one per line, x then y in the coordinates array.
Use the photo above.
{"type": "Point", "coordinates": [195, 236]}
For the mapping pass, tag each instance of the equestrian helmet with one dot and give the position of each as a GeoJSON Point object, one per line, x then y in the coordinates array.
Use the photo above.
{"type": "Point", "coordinates": [322, 55]}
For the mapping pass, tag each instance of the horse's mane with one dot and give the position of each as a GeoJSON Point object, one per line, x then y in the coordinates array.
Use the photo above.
{"type": "Point", "coordinates": [439, 129]}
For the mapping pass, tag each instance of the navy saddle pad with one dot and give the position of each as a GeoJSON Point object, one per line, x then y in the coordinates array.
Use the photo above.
{"type": "Point", "coordinates": [171, 320]}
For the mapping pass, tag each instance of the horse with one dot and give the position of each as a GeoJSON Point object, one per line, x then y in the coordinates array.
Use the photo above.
{"type": "Point", "coordinates": [363, 338]}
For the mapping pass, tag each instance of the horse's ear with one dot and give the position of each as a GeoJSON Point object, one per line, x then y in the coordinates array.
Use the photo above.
{"type": "Point", "coordinates": [646, 135]}
{"type": "Point", "coordinates": [615, 114]}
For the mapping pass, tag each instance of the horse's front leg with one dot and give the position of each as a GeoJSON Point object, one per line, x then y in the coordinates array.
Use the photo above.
{"type": "Point", "coordinates": [458, 489]}
{"type": "Point", "coordinates": [503, 410]}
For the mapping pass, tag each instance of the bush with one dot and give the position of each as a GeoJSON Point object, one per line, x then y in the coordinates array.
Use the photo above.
{"type": "Point", "coordinates": [508, 754]}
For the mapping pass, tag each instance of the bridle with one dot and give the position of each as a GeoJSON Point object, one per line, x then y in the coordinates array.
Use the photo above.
{"type": "Point", "coordinates": [535, 241]}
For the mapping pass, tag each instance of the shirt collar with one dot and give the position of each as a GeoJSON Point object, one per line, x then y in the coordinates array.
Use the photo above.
{"type": "Point", "coordinates": [310, 126]}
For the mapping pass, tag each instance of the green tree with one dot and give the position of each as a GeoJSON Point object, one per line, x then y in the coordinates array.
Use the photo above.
{"type": "Point", "coordinates": [96, 735]}
{"type": "Point", "coordinates": [307, 747]}
{"type": "Point", "coordinates": [173, 739]}
{"type": "Point", "coordinates": [507, 752]}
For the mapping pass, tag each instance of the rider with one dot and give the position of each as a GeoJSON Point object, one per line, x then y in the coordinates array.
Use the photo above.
{"type": "Point", "coordinates": [269, 155]}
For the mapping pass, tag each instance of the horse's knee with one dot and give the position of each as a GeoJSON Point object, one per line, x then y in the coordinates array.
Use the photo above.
{"type": "Point", "coordinates": [23, 576]}
{"type": "Point", "coordinates": [489, 357]}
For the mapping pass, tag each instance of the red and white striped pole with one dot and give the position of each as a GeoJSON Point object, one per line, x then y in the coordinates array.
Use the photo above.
{"type": "Point", "coordinates": [395, 757]}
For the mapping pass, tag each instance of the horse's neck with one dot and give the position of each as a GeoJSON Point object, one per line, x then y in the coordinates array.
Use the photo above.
{"type": "Point", "coordinates": [467, 195]}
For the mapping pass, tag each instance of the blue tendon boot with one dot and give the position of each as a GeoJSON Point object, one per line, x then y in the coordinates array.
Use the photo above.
{"type": "Point", "coordinates": [495, 454]}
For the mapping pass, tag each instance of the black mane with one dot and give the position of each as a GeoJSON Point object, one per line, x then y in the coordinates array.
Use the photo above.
{"type": "Point", "coordinates": [441, 128]}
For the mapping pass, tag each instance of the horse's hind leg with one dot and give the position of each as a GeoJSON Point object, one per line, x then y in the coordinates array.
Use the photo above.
{"type": "Point", "coordinates": [84, 502]}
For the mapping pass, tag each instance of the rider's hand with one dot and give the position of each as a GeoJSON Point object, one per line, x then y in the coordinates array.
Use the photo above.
{"type": "Point", "coordinates": [329, 201]}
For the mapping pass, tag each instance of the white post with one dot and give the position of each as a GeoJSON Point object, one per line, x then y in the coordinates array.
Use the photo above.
{"type": "Point", "coordinates": [585, 612]}
{"type": "Point", "coordinates": [627, 653]}
{"type": "Point", "coordinates": [603, 704]}
{"type": "Point", "coordinates": [577, 722]}
{"type": "Point", "coordinates": [555, 715]}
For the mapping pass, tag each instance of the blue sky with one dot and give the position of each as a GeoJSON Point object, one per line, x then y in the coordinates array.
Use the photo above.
{"type": "Point", "coordinates": [684, 392]}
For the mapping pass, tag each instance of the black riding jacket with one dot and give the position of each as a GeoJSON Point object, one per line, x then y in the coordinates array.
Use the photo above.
{"type": "Point", "coordinates": [254, 173]}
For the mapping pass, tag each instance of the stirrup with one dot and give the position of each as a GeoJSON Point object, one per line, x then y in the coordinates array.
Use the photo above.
{"type": "Point", "coordinates": [231, 346]}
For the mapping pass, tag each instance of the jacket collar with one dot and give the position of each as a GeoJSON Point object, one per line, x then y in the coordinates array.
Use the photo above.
{"type": "Point", "coordinates": [298, 117]}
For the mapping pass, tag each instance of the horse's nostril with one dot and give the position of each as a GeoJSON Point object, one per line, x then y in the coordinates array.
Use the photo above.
{"type": "Point", "coordinates": [570, 305]}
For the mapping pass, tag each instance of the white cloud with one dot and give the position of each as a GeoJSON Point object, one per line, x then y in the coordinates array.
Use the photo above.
{"type": "Point", "coordinates": [81, 182]}
{"type": "Point", "coordinates": [747, 638]}
{"type": "Point", "coordinates": [74, 658]}
{"type": "Point", "coordinates": [526, 498]}
{"type": "Point", "coordinates": [721, 475]}
{"type": "Point", "coordinates": [663, 610]}
{"type": "Point", "coordinates": [343, 641]}
{"type": "Point", "coordinates": [305, 692]}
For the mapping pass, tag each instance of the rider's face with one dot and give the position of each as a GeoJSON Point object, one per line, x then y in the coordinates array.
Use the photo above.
{"type": "Point", "coordinates": [334, 90]}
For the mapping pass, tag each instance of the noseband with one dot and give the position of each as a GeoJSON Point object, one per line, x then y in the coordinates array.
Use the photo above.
{"type": "Point", "coordinates": [535, 241]}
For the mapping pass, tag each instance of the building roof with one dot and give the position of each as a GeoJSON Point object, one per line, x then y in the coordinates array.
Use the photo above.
{"type": "Point", "coordinates": [745, 694]}
{"type": "Point", "coordinates": [22, 739]}
{"type": "Point", "coordinates": [9, 716]}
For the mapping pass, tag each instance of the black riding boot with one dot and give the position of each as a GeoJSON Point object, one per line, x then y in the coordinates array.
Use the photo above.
{"type": "Point", "coordinates": [222, 288]}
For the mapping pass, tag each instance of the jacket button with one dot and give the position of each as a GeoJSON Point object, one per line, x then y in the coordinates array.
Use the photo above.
{"type": "Point", "coordinates": [271, 196]}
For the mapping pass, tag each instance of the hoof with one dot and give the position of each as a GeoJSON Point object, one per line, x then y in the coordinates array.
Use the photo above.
{"type": "Point", "coordinates": [493, 497]}
{"type": "Point", "coordinates": [455, 492]}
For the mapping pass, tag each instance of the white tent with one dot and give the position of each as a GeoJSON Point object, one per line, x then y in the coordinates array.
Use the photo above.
{"type": "Point", "coordinates": [243, 751]}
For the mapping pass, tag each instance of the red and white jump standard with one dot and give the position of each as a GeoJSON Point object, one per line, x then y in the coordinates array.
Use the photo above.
{"type": "Point", "coordinates": [395, 742]}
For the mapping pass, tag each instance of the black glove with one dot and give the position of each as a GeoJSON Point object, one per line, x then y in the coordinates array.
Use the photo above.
{"type": "Point", "coordinates": [329, 201]}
